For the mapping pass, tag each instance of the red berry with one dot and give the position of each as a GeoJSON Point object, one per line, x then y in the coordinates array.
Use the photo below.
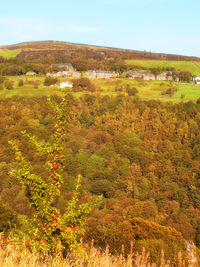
{"type": "Point", "coordinates": [53, 221]}
{"type": "Point", "coordinates": [55, 166]}
{"type": "Point", "coordinates": [73, 228]}
{"type": "Point", "coordinates": [42, 227]}
{"type": "Point", "coordinates": [40, 242]}
{"type": "Point", "coordinates": [57, 227]}
{"type": "Point", "coordinates": [55, 214]}
{"type": "Point", "coordinates": [54, 175]}
{"type": "Point", "coordinates": [59, 155]}
{"type": "Point", "coordinates": [26, 244]}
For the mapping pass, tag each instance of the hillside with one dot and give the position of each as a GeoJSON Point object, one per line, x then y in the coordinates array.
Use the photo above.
{"type": "Point", "coordinates": [31, 50]}
{"type": "Point", "coordinates": [135, 142]}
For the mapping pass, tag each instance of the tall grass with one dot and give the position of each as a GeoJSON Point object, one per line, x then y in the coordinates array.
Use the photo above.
{"type": "Point", "coordinates": [13, 254]}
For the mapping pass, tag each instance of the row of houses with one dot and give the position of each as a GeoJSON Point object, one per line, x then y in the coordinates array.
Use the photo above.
{"type": "Point", "coordinates": [101, 74]}
{"type": "Point", "coordinates": [165, 76]}
{"type": "Point", "coordinates": [64, 74]}
{"type": "Point", "coordinates": [90, 74]}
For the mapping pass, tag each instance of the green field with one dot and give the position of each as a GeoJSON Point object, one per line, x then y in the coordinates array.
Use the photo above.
{"type": "Point", "coordinates": [146, 89]}
{"type": "Point", "coordinates": [152, 89]}
{"type": "Point", "coordinates": [7, 54]}
{"type": "Point", "coordinates": [191, 66]}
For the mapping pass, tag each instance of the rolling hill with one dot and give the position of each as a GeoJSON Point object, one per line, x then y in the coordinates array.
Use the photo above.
{"type": "Point", "coordinates": [33, 49]}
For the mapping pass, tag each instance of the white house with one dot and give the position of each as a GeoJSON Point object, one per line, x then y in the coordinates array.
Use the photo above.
{"type": "Point", "coordinates": [65, 84]}
{"type": "Point", "coordinates": [197, 80]}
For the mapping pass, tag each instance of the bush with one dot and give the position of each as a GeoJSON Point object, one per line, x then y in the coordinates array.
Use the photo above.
{"type": "Point", "coordinates": [8, 217]}
{"type": "Point", "coordinates": [131, 91]}
{"type": "Point", "coordinates": [83, 84]}
{"type": "Point", "coordinates": [50, 81]}
{"type": "Point", "coordinates": [21, 83]}
{"type": "Point", "coordinates": [170, 91]}
{"type": "Point", "coordinates": [143, 233]}
{"type": "Point", "coordinates": [2, 79]}
{"type": "Point", "coordinates": [8, 84]}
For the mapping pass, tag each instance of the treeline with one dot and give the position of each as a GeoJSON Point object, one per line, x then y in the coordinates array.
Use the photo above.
{"type": "Point", "coordinates": [142, 156]}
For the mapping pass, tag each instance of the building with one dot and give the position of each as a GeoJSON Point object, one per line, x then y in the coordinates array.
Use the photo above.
{"type": "Point", "coordinates": [137, 74]}
{"type": "Point", "coordinates": [101, 74]}
{"type": "Point", "coordinates": [31, 73]}
{"type": "Point", "coordinates": [197, 80]}
{"type": "Point", "coordinates": [63, 73]}
{"type": "Point", "coordinates": [65, 84]}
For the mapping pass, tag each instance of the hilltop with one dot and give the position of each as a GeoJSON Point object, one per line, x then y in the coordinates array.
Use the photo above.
{"type": "Point", "coordinates": [36, 48]}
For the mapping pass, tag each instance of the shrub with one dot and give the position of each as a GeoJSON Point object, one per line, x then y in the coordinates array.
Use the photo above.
{"type": "Point", "coordinates": [2, 79]}
{"type": "Point", "coordinates": [50, 81]}
{"type": "Point", "coordinates": [20, 83]}
{"type": "Point", "coordinates": [8, 84]}
{"type": "Point", "coordinates": [8, 217]}
{"type": "Point", "coordinates": [83, 84]}
{"type": "Point", "coordinates": [131, 91]}
{"type": "Point", "coordinates": [170, 91]}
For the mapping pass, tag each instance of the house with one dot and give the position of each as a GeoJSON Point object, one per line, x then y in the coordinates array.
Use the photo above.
{"type": "Point", "coordinates": [197, 80]}
{"type": "Point", "coordinates": [161, 77]}
{"type": "Point", "coordinates": [101, 74]}
{"type": "Point", "coordinates": [148, 77]}
{"type": "Point", "coordinates": [170, 78]}
{"type": "Point", "coordinates": [59, 74]}
{"type": "Point", "coordinates": [136, 74]}
{"type": "Point", "coordinates": [65, 84]}
{"type": "Point", "coordinates": [76, 74]}
{"type": "Point", "coordinates": [31, 73]}
{"type": "Point", "coordinates": [176, 79]}
{"type": "Point", "coordinates": [106, 74]}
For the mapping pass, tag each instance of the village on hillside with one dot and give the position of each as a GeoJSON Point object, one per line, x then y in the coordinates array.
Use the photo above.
{"type": "Point", "coordinates": [70, 72]}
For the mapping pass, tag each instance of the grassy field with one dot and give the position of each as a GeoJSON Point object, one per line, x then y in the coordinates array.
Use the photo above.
{"type": "Point", "coordinates": [191, 66]}
{"type": "Point", "coordinates": [146, 89]}
{"type": "Point", "coordinates": [7, 54]}
{"type": "Point", "coordinates": [152, 89]}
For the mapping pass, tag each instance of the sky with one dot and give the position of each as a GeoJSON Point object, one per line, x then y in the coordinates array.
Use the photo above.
{"type": "Point", "coordinates": [163, 26]}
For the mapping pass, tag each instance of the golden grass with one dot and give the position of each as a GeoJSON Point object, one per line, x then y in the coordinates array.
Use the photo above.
{"type": "Point", "coordinates": [13, 255]}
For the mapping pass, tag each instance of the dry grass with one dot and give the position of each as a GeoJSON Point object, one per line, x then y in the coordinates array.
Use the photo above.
{"type": "Point", "coordinates": [13, 255]}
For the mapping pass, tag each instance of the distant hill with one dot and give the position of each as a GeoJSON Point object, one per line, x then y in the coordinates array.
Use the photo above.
{"type": "Point", "coordinates": [33, 50]}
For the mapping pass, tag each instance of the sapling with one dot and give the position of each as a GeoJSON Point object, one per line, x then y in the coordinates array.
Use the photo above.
{"type": "Point", "coordinates": [50, 231]}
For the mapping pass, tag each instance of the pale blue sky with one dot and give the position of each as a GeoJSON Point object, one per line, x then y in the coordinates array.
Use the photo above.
{"type": "Point", "coordinates": [170, 26]}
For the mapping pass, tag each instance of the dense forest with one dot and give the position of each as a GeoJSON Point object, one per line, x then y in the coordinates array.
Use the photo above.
{"type": "Point", "coordinates": [142, 156]}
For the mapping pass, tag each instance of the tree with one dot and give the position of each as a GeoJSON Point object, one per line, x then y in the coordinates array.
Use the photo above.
{"type": "Point", "coordinates": [50, 230]}
{"type": "Point", "coordinates": [83, 84]}
{"type": "Point", "coordinates": [21, 83]}
{"type": "Point", "coordinates": [185, 76]}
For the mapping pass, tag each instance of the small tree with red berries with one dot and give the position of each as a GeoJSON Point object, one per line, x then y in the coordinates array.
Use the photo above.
{"type": "Point", "coordinates": [51, 231]}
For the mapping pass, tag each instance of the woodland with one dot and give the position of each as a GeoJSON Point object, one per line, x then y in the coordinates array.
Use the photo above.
{"type": "Point", "coordinates": [142, 156]}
